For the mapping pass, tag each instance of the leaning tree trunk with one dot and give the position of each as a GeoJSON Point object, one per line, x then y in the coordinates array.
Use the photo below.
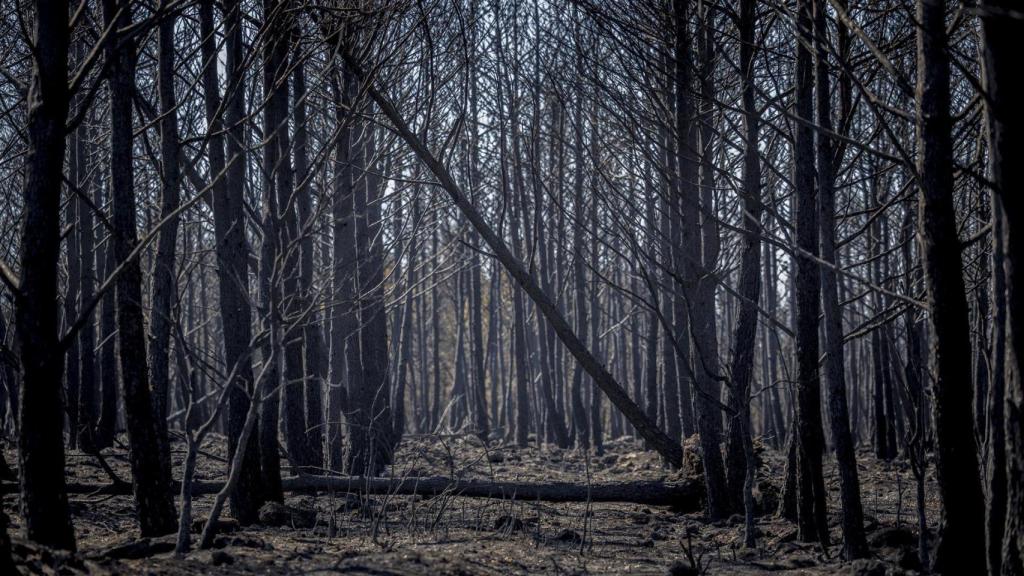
{"type": "Point", "coordinates": [961, 545]}
{"type": "Point", "coordinates": [669, 448]}
{"type": "Point", "coordinates": [44, 500]}
{"type": "Point", "coordinates": [151, 473]}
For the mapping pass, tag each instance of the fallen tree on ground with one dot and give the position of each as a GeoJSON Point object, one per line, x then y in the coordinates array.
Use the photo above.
{"type": "Point", "coordinates": [685, 495]}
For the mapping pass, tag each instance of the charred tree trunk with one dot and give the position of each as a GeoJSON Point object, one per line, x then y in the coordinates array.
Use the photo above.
{"type": "Point", "coordinates": [44, 501]}
{"type": "Point", "coordinates": [811, 513]}
{"type": "Point", "coordinates": [312, 334]}
{"type": "Point", "coordinates": [232, 249]}
{"type": "Point", "coordinates": [961, 545]}
{"type": "Point", "coordinates": [151, 473]}
{"type": "Point", "coordinates": [854, 541]}
{"type": "Point", "coordinates": [703, 365]}
{"type": "Point", "coordinates": [165, 285]}
{"type": "Point", "coordinates": [1002, 34]}
{"type": "Point", "coordinates": [343, 321]}
{"type": "Point", "coordinates": [742, 465]}
{"type": "Point", "coordinates": [371, 428]}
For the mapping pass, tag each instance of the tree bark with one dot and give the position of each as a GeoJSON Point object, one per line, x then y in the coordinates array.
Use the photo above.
{"type": "Point", "coordinates": [854, 541]}
{"type": "Point", "coordinates": [151, 474]}
{"type": "Point", "coordinates": [961, 545]}
{"type": "Point", "coordinates": [811, 513]}
{"type": "Point", "coordinates": [699, 296]}
{"type": "Point", "coordinates": [44, 501]}
{"type": "Point", "coordinates": [742, 466]}
{"type": "Point", "coordinates": [165, 286]}
{"type": "Point", "coordinates": [232, 249]}
{"type": "Point", "coordinates": [1001, 34]}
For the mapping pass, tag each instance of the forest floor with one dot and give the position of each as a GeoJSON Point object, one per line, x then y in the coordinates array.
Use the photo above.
{"type": "Point", "coordinates": [449, 536]}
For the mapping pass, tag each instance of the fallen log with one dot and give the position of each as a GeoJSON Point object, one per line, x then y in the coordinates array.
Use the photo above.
{"type": "Point", "coordinates": [687, 495]}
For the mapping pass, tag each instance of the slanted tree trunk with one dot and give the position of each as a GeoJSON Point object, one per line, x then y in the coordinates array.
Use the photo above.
{"type": "Point", "coordinates": [961, 545]}
{"type": "Point", "coordinates": [151, 473]}
{"type": "Point", "coordinates": [44, 501]}
{"type": "Point", "coordinates": [667, 447]}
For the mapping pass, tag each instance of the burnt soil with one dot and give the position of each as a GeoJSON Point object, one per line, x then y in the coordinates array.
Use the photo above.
{"type": "Point", "coordinates": [452, 535]}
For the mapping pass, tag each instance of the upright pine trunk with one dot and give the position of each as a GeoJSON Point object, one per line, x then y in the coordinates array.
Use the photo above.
{"type": "Point", "coordinates": [151, 473]}
{"type": "Point", "coordinates": [854, 542]}
{"type": "Point", "coordinates": [44, 500]}
{"type": "Point", "coordinates": [232, 248]}
{"type": "Point", "coordinates": [1002, 33]}
{"type": "Point", "coordinates": [811, 512]}
{"type": "Point", "coordinates": [961, 545]}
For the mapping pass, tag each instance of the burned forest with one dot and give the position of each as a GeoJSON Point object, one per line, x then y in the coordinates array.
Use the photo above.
{"type": "Point", "coordinates": [482, 287]}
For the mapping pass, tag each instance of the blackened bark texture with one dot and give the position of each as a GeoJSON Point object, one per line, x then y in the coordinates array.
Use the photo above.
{"type": "Point", "coordinates": [44, 501]}
{"type": "Point", "coordinates": [884, 420]}
{"type": "Point", "coordinates": [676, 383]}
{"type": "Point", "coordinates": [961, 545]}
{"type": "Point", "coordinates": [276, 266]}
{"type": "Point", "coordinates": [651, 365]}
{"type": "Point", "coordinates": [232, 248]}
{"type": "Point", "coordinates": [699, 295]}
{"type": "Point", "coordinates": [151, 474]}
{"type": "Point", "coordinates": [854, 541]}
{"type": "Point", "coordinates": [479, 396]}
{"type": "Point", "coordinates": [404, 323]}
{"type": "Point", "coordinates": [519, 312]}
{"type": "Point", "coordinates": [106, 425]}
{"type": "Point", "coordinates": [371, 427]}
{"type": "Point", "coordinates": [343, 320]}
{"type": "Point", "coordinates": [72, 360]}
{"type": "Point", "coordinates": [741, 460]}
{"type": "Point", "coordinates": [87, 413]}
{"type": "Point", "coordinates": [811, 514]}
{"type": "Point", "coordinates": [596, 424]}
{"type": "Point", "coordinates": [165, 286]}
{"type": "Point", "coordinates": [1002, 35]}
{"type": "Point", "coordinates": [312, 334]}
{"type": "Point", "coordinates": [581, 425]}
{"type": "Point", "coordinates": [292, 314]}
